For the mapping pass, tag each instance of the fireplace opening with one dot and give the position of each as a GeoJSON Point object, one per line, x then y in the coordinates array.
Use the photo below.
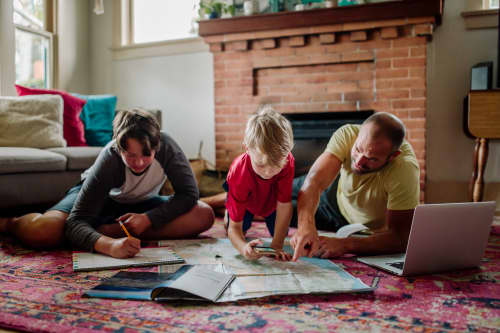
{"type": "Point", "coordinates": [312, 131]}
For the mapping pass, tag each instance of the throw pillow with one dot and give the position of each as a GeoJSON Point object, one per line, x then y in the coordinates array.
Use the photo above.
{"type": "Point", "coordinates": [73, 129]}
{"type": "Point", "coordinates": [31, 121]}
{"type": "Point", "coordinates": [97, 116]}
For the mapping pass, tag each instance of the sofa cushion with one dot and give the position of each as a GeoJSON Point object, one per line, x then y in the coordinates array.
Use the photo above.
{"type": "Point", "coordinates": [79, 158]}
{"type": "Point", "coordinates": [16, 160]}
{"type": "Point", "coordinates": [97, 116]}
{"type": "Point", "coordinates": [31, 121]}
{"type": "Point", "coordinates": [72, 125]}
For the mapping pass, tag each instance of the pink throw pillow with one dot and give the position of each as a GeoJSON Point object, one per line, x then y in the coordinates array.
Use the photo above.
{"type": "Point", "coordinates": [73, 129]}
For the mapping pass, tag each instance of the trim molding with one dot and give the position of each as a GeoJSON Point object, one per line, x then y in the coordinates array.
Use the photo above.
{"type": "Point", "coordinates": [166, 48]}
{"type": "Point", "coordinates": [324, 16]}
{"type": "Point", "coordinates": [480, 19]}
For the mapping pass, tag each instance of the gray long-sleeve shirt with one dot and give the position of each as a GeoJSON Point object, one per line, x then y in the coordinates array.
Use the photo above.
{"type": "Point", "coordinates": [110, 178]}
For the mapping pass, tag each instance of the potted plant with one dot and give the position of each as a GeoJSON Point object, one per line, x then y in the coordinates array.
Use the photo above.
{"type": "Point", "coordinates": [214, 9]}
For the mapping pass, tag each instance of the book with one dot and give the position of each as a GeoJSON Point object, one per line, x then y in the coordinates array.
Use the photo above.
{"type": "Point", "coordinates": [151, 256]}
{"type": "Point", "coordinates": [347, 230]}
{"type": "Point", "coordinates": [189, 282]}
{"type": "Point", "coordinates": [350, 229]}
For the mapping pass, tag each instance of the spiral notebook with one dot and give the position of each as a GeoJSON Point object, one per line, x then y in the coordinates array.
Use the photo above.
{"type": "Point", "coordinates": [151, 256]}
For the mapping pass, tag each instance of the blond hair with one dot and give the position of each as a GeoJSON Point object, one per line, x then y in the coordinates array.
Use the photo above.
{"type": "Point", "coordinates": [271, 133]}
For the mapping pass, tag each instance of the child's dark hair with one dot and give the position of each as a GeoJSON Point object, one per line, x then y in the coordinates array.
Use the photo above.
{"type": "Point", "coordinates": [136, 124]}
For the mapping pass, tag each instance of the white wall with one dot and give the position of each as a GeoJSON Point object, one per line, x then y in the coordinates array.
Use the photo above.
{"type": "Point", "coordinates": [452, 53]}
{"type": "Point", "coordinates": [180, 85]}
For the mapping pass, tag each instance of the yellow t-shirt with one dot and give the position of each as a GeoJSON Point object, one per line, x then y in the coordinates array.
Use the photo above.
{"type": "Point", "coordinates": [365, 198]}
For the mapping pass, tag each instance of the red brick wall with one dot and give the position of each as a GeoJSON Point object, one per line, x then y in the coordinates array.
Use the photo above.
{"type": "Point", "coordinates": [382, 67]}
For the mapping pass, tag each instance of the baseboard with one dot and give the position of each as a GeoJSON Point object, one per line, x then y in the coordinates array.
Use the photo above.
{"type": "Point", "coordinates": [456, 191]}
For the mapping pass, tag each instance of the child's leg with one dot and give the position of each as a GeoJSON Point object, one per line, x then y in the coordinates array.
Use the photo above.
{"type": "Point", "coordinates": [199, 219]}
{"type": "Point", "coordinates": [247, 221]}
{"type": "Point", "coordinates": [270, 223]}
{"type": "Point", "coordinates": [217, 202]}
{"type": "Point", "coordinates": [40, 231]}
{"type": "Point", "coordinates": [190, 224]}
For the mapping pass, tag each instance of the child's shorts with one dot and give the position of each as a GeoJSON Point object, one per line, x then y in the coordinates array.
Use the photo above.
{"type": "Point", "coordinates": [248, 219]}
{"type": "Point", "coordinates": [111, 209]}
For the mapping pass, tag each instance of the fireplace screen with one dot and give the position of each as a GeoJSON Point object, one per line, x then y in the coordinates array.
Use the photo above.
{"type": "Point", "coordinates": [313, 130]}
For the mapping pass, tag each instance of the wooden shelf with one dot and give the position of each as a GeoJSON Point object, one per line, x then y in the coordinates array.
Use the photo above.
{"type": "Point", "coordinates": [324, 16]}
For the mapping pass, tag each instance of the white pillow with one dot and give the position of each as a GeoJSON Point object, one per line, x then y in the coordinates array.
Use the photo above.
{"type": "Point", "coordinates": [31, 121]}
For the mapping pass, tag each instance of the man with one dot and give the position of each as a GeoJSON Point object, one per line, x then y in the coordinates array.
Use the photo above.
{"type": "Point", "coordinates": [378, 186]}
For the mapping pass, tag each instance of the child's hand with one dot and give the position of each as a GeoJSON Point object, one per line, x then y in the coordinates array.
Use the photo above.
{"type": "Point", "coordinates": [249, 251]}
{"type": "Point", "coordinates": [282, 255]}
{"type": "Point", "coordinates": [126, 247]}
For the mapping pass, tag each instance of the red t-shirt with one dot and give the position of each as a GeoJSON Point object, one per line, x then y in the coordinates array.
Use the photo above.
{"type": "Point", "coordinates": [249, 191]}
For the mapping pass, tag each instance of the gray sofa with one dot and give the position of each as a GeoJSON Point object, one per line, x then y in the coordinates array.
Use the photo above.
{"type": "Point", "coordinates": [31, 176]}
{"type": "Point", "coordinates": [40, 177]}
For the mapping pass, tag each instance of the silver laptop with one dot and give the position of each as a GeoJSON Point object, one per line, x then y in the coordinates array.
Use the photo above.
{"type": "Point", "coordinates": [443, 237]}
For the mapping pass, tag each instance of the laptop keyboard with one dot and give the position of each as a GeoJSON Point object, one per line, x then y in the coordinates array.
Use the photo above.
{"type": "Point", "coordinates": [398, 264]}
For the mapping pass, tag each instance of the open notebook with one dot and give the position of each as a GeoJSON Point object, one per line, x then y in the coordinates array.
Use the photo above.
{"type": "Point", "coordinates": [86, 261]}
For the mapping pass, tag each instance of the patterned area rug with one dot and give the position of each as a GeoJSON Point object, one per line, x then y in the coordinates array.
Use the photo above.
{"type": "Point", "coordinates": [39, 292]}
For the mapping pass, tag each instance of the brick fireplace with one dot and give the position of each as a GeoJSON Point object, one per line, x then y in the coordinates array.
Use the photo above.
{"type": "Point", "coordinates": [371, 57]}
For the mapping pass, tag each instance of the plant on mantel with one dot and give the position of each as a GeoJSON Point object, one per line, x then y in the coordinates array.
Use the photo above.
{"type": "Point", "coordinates": [214, 9]}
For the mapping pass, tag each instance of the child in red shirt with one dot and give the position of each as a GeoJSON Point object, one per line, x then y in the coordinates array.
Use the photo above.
{"type": "Point", "coordinates": [259, 182]}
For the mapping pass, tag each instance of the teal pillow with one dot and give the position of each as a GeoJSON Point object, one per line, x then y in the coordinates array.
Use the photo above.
{"type": "Point", "coordinates": [97, 116]}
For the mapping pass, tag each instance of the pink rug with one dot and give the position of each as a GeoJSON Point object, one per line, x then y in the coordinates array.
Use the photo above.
{"type": "Point", "coordinates": [40, 293]}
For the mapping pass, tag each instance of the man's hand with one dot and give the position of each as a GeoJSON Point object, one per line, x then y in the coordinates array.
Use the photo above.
{"type": "Point", "coordinates": [330, 247]}
{"type": "Point", "coordinates": [136, 224]}
{"type": "Point", "coordinates": [126, 247]}
{"type": "Point", "coordinates": [305, 242]}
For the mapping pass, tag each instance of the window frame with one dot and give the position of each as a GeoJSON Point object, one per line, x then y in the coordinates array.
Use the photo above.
{"type": "Point", "coordinates": [123, 47]}
{"type": "Point", "coordinates": [49, 30]}
{"type": "Point", "coordinates": [479, 15]}
{"type": "Point", "coordinates": [51, 55]}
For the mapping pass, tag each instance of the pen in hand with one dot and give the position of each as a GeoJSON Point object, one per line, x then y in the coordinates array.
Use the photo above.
{"type": "Point", "coordinates": [124, 229]}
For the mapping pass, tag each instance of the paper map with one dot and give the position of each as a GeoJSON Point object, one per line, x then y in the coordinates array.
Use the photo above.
{"type": "Point", "coordinates": [266, 276]}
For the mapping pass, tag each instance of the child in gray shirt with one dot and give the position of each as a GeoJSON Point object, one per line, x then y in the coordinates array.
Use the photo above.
{"type": "Point", "coordinates": [123, 185]}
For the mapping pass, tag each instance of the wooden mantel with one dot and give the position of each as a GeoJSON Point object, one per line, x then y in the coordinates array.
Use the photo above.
{"type": "Point", "coordinates": [324, 16]}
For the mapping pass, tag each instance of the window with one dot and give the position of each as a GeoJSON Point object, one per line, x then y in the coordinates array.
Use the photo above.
{"type": "Point", "coordinates": [492, 4]}
{"type": "Point", "coordinates": [33, 52]}
{"type": "Point", "coordinates": [161, 20]}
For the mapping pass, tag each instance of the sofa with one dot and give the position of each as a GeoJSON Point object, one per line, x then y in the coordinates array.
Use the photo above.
{"type": "Point", "coordinates": [34, 176]}
{"type": "Point", "coordinates": [34, 172]}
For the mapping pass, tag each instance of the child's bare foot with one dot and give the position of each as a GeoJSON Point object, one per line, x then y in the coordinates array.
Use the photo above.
{"type": "Point", "coordinates": [4, 221]}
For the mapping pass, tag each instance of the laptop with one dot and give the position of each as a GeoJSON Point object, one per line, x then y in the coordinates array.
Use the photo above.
{"type": "Point", "coordinates": [443, 237]}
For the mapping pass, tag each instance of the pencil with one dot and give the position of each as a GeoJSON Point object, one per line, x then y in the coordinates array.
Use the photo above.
{"type": "Point", "coordinates": [124, 229]}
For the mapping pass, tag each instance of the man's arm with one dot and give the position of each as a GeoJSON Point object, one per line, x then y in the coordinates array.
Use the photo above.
{"type": "Point", "coordinates": [392, 239]}
{"type": "Point", "coordinates": [322, 174]}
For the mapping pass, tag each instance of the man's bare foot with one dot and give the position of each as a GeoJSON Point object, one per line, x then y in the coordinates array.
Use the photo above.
{"type": "Point", "coordinates": [4, 221]}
